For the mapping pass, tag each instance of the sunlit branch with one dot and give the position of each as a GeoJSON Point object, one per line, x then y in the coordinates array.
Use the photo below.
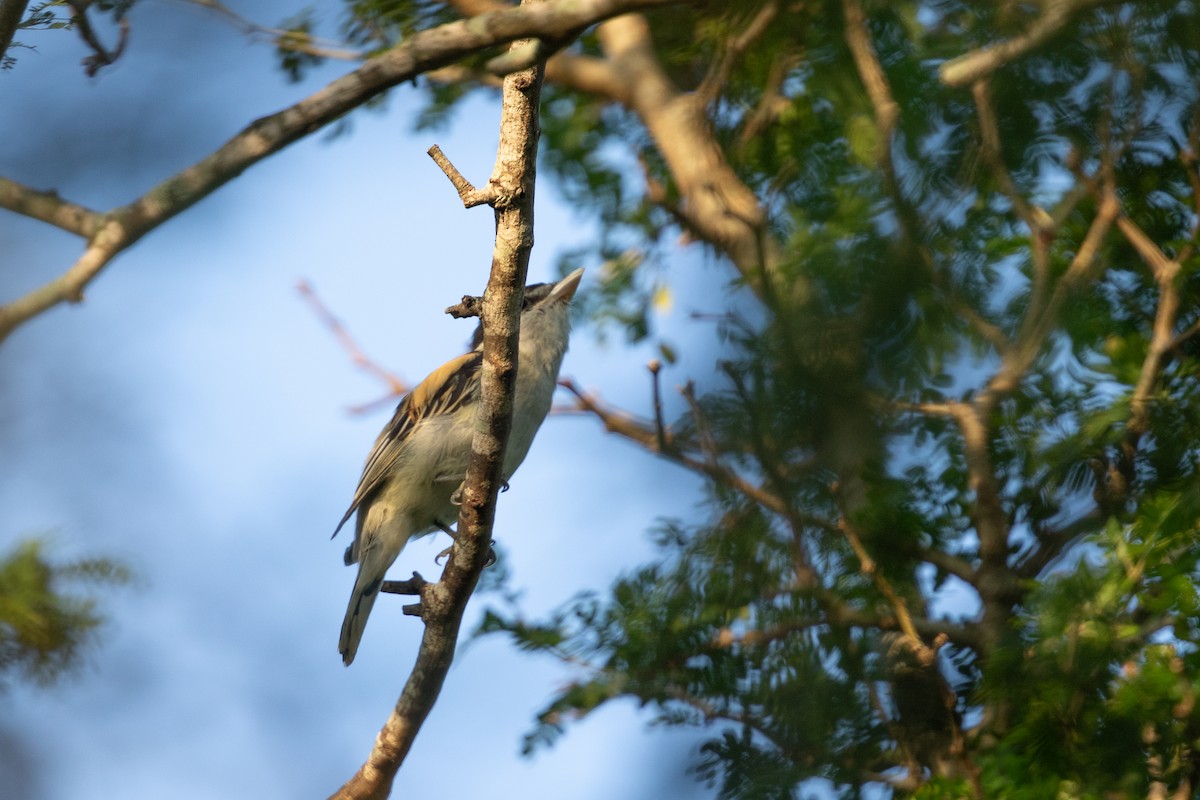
{"type": "Point", "coordinates": [469, 195]}
{"type": "Point", "coordinates": [870, 72]}
{"type": "Point", "coordinates": [899, 605]}
{"type": "Point", "coordinates": [1041, 317]}
{"type": "Point", "coordinates": [48, 207]}
{"type": "Point", "coordinates": [949, 408]}
{"type": "Point", "coordinates": [423, 51]}
{"type": "Point", "coordinates": [970, 67]}
{"type": "Point", "coordinates": [949, 563]}
{"type": "Point", "coordinates": [720, 208]}
{"type": "Point", "coordinates": [1166, 273]}
{"type": "Point", "coordinates": [112, 237]}
{"type": "Point", "coordinates": [714, 82]}
{"type": "Point", "coordinates": [773, 101]}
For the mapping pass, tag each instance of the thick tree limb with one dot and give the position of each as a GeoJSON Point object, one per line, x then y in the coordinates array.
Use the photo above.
{"type": "Point", "coordinates": [426, 50]}
{"type": "Point", "coordinates": [443, 603]}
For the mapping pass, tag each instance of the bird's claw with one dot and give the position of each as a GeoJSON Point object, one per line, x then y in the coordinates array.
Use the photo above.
{"type": "Point", "coordinates": [491, 556]}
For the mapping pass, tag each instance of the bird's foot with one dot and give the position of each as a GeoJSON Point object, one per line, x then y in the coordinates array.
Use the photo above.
{"type": "Point", "coordinates": [491, 557]}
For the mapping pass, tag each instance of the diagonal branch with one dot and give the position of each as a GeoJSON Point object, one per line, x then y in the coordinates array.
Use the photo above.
{"type": "Point", "coordinates": [1054, 17]}
{"type": "Point", "coordinates": [1166, 273]}
{"type": "Point", "coordinates": [714, 82]}
{"type": "Point", "coordinates": [421, 52]}
{"type": "Point", "coordinates": [396, 386]}
{"type": "Point", "coordinates": [443, 603]}
{"type": "Point", "coordinates": [48, 207]}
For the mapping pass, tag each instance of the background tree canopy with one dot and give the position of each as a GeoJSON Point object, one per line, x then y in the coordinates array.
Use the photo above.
{"type": "Point", "coordinates": [949, 447]}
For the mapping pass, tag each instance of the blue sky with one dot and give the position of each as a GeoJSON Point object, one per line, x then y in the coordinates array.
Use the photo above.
{"type": "Point", "coordinates": [190, 419]}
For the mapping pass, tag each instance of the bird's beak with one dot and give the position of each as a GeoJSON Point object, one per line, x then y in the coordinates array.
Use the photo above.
{"type": "Point", "coordinates": [564, 290]}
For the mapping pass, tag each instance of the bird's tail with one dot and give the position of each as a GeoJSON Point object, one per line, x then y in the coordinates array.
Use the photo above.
{"type": "Point", "coordinates": [366, 589]}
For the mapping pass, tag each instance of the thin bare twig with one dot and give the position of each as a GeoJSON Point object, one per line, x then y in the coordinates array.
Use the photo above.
{"type": "Point", "coordinates": [283, 39]}
{"type": "Point", "coordinates": [660, 428]}
{"type": "Point", "coordinates": [101, 56]}
{"type": "Point", "coordinates": [469, 195]}
{"type": "Point", "coordinates": [712, 84]}
{"type": "Point", "coordinates": [352, 348]}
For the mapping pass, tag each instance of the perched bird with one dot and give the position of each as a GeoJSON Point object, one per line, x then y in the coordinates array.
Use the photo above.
{"type": "Point", "coordinates": [412, 477]}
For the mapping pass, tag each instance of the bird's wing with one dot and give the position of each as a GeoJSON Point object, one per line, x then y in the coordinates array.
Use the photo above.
{"type": "Point", "coordinates": [444, 391]}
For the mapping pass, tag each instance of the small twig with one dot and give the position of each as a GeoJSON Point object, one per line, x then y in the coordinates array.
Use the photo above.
{"type": "Point", "coordinates": [416, 585]}
{"type": "Point", "coordinates": [712, 84]}
{"type": "Point", "coordinates": [870, 72]}
{"type": "Point", "coordinates": [284, 40]}
{"type": "Point", "coordinates": [335, 326]}
{"type": "Point", "coordinates": [409, 586]}
{"type": "Point", "coordinates": [773, 103]}
{"type": "Point", "coordinates": [868, 567]}
{"type": "Point", "coordinates": [469, 306]}
{"type": "Point", "coordinates": [443, 603]}
{"type": "Point", "coordinates": [1165, 272]}
{"type": "Point", "coordinates": [619, 422]}
{"type": "Point", "coordinates": [100, 57]}
{"type": "Point", "coordinates": [655, 367]}
{"type": "Point", "coordinates": [469, 195]}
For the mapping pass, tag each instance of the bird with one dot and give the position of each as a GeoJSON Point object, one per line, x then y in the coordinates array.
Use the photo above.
{"type": "Point", "coordinates": [412, 479]}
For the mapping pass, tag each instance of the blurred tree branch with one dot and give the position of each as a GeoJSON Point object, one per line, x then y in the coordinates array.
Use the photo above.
{"type": "Point", "coordinates": [1054, 16]}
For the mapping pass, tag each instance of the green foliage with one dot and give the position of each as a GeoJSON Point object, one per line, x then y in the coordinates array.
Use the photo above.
{"type": "Point", "coordinates": [44, 627]}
